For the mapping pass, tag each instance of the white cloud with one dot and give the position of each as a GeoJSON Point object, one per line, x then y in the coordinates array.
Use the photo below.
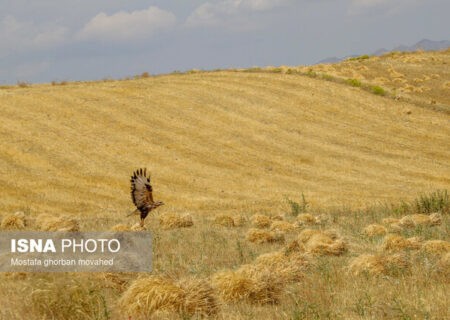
{"type": "Point", "coordinates": [205, 15]}
{"type": "Point", "coordinates": [124, 25]}
{"type": "Point", "coordinates": [262, 4]}
{"type": "Point", "coordinates": [226, 11]}
{"type": "Point", "coordinates": [50, 38]}
{"type": "Point", "coordinates": [20, 36]}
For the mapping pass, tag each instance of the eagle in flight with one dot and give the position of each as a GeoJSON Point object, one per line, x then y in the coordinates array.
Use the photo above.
{"type": "Point", "coordinates": [141, 194]}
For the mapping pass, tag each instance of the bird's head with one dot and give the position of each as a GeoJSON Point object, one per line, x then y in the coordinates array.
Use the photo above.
{"type": "Point", "coordinates": [159, 203]}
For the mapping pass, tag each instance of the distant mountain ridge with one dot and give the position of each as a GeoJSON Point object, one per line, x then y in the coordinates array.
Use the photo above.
{"type": "Point", "coordinates": [425, 44]}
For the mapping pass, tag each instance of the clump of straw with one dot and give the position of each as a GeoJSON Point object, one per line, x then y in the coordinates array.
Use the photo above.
{"type": "Point", "coordinates": [375, 230]}
{"type": "Point", "coordinates": [322, 242]}
{"type": "Point", "coordinates": [376, 265]}
{"type": "Point", "coordinates": [394, 242]}
{"type": "Point", "coordinates": [224, 220]}
{"type": "Point", "coordinates": [171, 221]}
{"type": "Point", "coordinates": [282, 226]}
{"type": "Point", "coordinates": [263, 236]}
{"type": "Point", "coordinates": [16, 221]}
{"type": "Point", "coordinates": [47, 222]}
{"type": "Point", "coordinates": [260, 221]}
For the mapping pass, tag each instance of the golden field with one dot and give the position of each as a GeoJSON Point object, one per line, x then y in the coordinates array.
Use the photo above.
{"type": "Point", "coordinates": [420, 78]}
{"type": "Point", "coordinates": [223, 146]}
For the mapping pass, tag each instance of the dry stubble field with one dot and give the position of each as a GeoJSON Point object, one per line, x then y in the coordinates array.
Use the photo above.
{"type": "Point", "coordinates": [223, 147]}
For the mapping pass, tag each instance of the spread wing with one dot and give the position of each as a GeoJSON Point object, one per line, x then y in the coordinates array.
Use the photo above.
{"type": "Point", "coordinates": [141, 190]}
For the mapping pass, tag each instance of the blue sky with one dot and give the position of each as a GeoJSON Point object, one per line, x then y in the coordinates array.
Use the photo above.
{"type": "Point", "coordinates": [47, 40]}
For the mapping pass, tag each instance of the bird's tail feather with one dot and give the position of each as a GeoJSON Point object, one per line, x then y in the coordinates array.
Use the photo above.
{"type": "Point", "coordinates": [135, 212]}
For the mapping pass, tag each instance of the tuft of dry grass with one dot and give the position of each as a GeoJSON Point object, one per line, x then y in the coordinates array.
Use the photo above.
{"type": "Point", "coordinates": [250, 284]}
{"type": "Point", "coordinates": [48, 222]}
{"type": "Point", "coordinates": [263, 236]}
{"type": "Point", "coordinates": [232, 286]}
{"type": "Point", "coordinates": [375, 230]}
{"type": "Point", "coordinates": [224, 220]}
{"type": "Point", "coordinates": [389, 221]}
{"type": "Point", "coordinates": [288, 266]}
{"type": "Point", "coordinates": [322, 242]}
{"type": "Point", "coordinates": [413, 220]}
{"type": "Point", "coordinates": [22, 84]}
{"type": "Point", "coordinates": [406, 222]}
{"type": "Point", "coordinates": [260, 221]}
{"type": "Point", "coordinates": [415, 242]}
{"type": "Point", "coordinates": [282, 226]}
{"type": "Point", "coordinates": [200, 298]}
{"type": "Point", "coordinates": [324, 245]}
{"type": "Point", "coordinates": [376, 265]}
{"type": "Point", "coordinates": [437, 247]}
{"type": "Point", "coordinates": [435, 219]}
{"type": "Point", "coordinates": [147, 296]}
{"type": "Point", "coordinates": [394, 242]}
{"type": "Point", "coordinates": [278, 217]}
{"type": "Point", "coordinates": [307, 234]}
{"type": "Point", "coordinates": [420, 219]}
{"type": "Point", "coordinates": [61, 83]}
{"type": "Point", "coordinates": [15, 275]}
{"type": "Point", "coordinates": [16, 221]}
{"type": "Point", "coordinates": [238, 221]}
{"type": "Point", "coordinates": [171, 221]}
{"type": "Point", "coordinates": [293, 246]}
{"type": "Point", "coordinates": [306, 218]}
{"type": "Point", "coordinates": [444, 263]}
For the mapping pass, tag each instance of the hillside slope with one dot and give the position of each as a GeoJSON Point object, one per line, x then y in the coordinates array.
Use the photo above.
{"type": "Point", "coordinates": [419, 77]}
{"type": "Point", "coordinates": [215, 142]}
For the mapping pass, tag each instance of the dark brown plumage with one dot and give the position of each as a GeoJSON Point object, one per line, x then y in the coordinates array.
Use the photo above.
{"type": "Point", "coordinates": [142, 194]}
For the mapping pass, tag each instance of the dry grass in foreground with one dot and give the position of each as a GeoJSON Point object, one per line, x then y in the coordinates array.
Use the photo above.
{"type": "Point", "coordinates": [210, 270]}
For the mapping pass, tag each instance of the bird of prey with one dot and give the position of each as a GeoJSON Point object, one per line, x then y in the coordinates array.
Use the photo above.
{"type": "Point", "coordinates": [141, 194]}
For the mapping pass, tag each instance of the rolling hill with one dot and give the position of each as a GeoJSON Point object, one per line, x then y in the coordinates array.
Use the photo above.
{"type": "Point", "coordinates": [421, 78]}
{"type": "Point", "coordinates": [222, 141]}
{"type": "Point", "coordinates": [424, 44]}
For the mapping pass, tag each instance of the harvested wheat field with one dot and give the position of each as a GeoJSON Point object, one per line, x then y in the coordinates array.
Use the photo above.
{"type": "Point", "coordinates": [422, 78]}
{"type": "Point", "coordinates": [287, 195]}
